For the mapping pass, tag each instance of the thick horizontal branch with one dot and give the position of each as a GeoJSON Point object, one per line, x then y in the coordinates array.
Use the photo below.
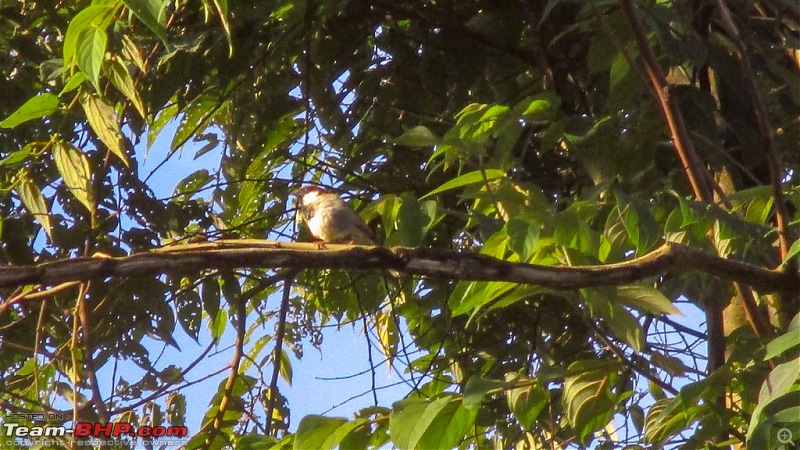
{"type": "Point", "coordinates": [435, 263]}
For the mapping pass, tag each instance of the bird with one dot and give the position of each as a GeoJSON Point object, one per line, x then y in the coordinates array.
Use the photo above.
{"type": "Point", "coordinates": [330, 219]}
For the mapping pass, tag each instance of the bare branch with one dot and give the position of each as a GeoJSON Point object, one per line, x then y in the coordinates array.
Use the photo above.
{"type": "Point", "coordinates": [670, 258]}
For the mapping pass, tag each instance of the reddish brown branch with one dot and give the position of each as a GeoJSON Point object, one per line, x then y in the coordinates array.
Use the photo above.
{"type": "Point", "coordinates": [764, 128]}
{"type": "Point", "coordinates": [697, 174]}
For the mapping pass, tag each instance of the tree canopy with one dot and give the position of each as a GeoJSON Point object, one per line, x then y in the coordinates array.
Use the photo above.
{"type": "Point", "coordinates": [557, 180]}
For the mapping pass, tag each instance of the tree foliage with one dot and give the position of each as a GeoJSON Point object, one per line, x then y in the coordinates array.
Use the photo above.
{"type": "Point", "coordinates": [557, 133]}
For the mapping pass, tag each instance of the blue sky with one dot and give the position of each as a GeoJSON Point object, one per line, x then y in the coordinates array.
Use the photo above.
{"type": "Point", "coordinates": [334, 380]}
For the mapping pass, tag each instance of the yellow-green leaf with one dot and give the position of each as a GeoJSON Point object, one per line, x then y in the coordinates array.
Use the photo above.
{"type": "Point", "coordinates": [526, 402]}
{"type": "Point", "coordinates": [34, 202]}
{"type": "Point", "coordinates": [388, 335]}
{"type": "Point", "coordinates": [467, 179]}
{"type": "Point", "coordinates": [74, 168]}
{"type": "Point", "coordinates": [104, 123]}
{"type": "Point", "coordinates": [286, 367]}
{"type": "Point", "coordinates": [418, 136]}
{"type": "Point", "coordinates": [222, 9]}
{"type": "Point", "coordinates": [36, 107]}
{"type": "Point", "coordinates": [588, 397]}
{"type": "Point", "coordinates": [97, 15]}
{"type": "Point", "coordinates": [647, 299]}
{"type": "Point", "coordinates": [121, 78]}
{"type": "Point", "coordinates": [131, 52]}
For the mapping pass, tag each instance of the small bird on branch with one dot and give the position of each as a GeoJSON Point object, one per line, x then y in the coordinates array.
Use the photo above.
{"type": "Point", "coordinates": [330, 219]}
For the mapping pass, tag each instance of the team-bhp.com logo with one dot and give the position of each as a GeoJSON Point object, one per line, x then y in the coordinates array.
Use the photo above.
{"type": "Point", "coordinates": [89, 430]}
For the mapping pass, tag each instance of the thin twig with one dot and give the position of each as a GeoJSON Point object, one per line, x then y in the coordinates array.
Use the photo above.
{"type": "Point", "coordinates": [280, 332]}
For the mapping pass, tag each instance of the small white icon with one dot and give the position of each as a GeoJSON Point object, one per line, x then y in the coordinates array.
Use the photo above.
{"type": "Point", "coordinates": [785, 436]}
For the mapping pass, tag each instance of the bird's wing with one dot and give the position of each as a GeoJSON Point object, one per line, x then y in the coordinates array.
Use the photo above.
{"type": "Point", "coordinates": [347, 217]}
{"type": "Point", "coordinates": [361, 225]}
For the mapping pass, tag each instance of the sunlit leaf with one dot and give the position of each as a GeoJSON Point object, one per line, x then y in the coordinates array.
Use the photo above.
{"type": "Point", "coordinates": [104, 123]}
{"type": "Point", "coordinates": [588, 396]}
{"type": "Point", "coordinates": [39, 106]}
{"type": "Point", "coordinates": [34, 202]}
{"type": "Point", "coordinates": [647, 299]}
{"type": "Point", "coordinates": [441, 423]}
{"type": "Point", "coordinates": [388, 335]}
{"type": "Point", "coordinates": [526, 402]}
{"type": "Point", "coordinates": [467, 179]}
{"type": "Point", "coordinates": [318, 432]}
{"type": "Point", "coordinates": [793, 251]}
{"type": "Point", "coordinates": [91, 50]}
{"type": "Point", "coordinates": [286, 371]}
{"type": "Point", "coordinates": [418, 136]}
{"type": "Point", "coordinates": [120, 76]}
{"type": "Point", "coordinates": [96, 15]}
{"type": "Point", "coordinates": [76, 172]}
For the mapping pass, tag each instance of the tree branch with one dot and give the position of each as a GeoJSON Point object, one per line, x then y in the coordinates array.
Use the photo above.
{"type": "Point", "coordinates": [670, 258]}
{"type": "Point", "coordinates": [782, 217]}
{"type": "Point", "coordinates": [277, 353]}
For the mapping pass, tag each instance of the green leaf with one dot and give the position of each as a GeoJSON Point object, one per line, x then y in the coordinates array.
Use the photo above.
{"type": "Point", "coordinates": [466, 180]}
{"type": "Point", "coordinates": [441, 423]}
{"type": "Point", "coordinates": [418, 136]}
{"type": "Point", "coordinates": [218, 324]}
{"type": "Point", "coordinates": [286, 367]}
{"type": "Point", "coordinates": [782, 344]}
{"type": "Point", "coordinates": [104, 123]}
{"type": "Point", "coordinates": [526, 402]}
{"type": "Point", "coordinates": [39, 106]}
{"type": "Point", "coordinates": [189, 311]}
{"type": "Point", "coordinates": [764, 434]}
{"type": "Point", "coordinates": [671, 364]}
{"type": "Point", "coordinates": [409, 224]}
{"type": "Point", "coordinates": [478, 294]}
{"type": "Point", "coordinates": [403, 422]}
{"type": "Point", "coordinates": [522, 237]}
{"type": "Point", "coordinates": [318, 432]}
{"type": "Point", "coordinates": [625, 326]}
{"type": "Point", "coordinates": [256, 442]}
{"type": "Point", "coordinates": [192, 184]}
{"type": "Point", "coordinates": [91, 50]}
{"type": "Point", "coordinates": [537, 105]}
{"type": "Point", "coordinates": [210, 295]}
{"type": "Point", "coordinates": [647, 299]}
{"type": "Point", "coordinates": [588, 397]}
{"type": "Point", "coordinates": [449, 427]}
{"type": "Point", "coordinates": [354, 435]}
{"type": "Point", "coordinates": [779, 382]}
{"type": "Point", "coordinates": [74, 82]}
{"type": "Point", "coordinates": [641, 226]}
{"type": "Point", "coordinates": [669, 416]}
{"type": "Point", "coordinates": [97, 15]}
{"type": "Point", "coordinates": [476, 388]}
{"type": "Point", "coordinates": [74, 168]}
{"type": "Point", "coordinates": [152, 13]}
{"type": "Point", "coordinates": [196, 119]}
{"type": "Point", "coordinates": [793, 251]}
{"type": "Point", "coordinates": [34, 201]}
